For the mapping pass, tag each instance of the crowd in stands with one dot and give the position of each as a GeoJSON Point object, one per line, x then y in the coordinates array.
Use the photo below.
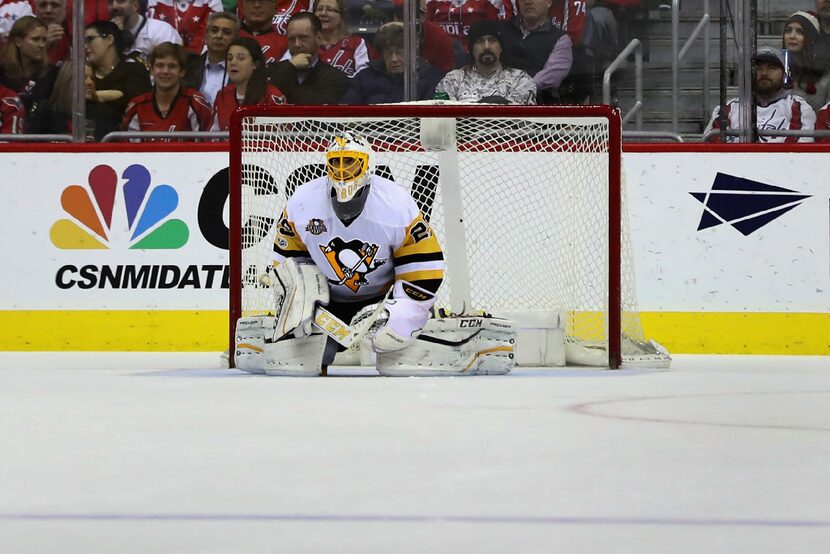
{"type": "Point", "coordinates": [792, 84]}
{"type": "Point", "coordinates": [185, 65]}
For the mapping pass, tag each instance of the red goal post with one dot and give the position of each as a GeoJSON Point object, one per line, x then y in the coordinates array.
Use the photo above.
{"type": "Point", "coordinates": [497, 183]}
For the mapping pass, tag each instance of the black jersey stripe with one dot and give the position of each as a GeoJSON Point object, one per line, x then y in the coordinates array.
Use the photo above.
{"type": "Point", "coordinates": [414, 258]}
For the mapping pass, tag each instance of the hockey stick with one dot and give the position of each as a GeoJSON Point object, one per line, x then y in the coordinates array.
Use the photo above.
{"type": "Point", "coordinates": [333, 326]}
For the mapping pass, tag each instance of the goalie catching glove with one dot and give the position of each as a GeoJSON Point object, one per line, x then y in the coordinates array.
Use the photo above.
{"type": "Point", "coordinates": [298, 289]}
{"type": "Point", "coordinates": [408, 312]}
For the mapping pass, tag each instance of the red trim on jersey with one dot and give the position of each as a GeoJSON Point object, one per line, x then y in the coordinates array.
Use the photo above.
{"type": "Point", "coordinates": [188, 105]}
{"type": "Point", "coordinates": [226, 103]}
{"type": "Point", "coordinates": [273, 45]}
{"type": "Point", "coordinates": [795, 121]}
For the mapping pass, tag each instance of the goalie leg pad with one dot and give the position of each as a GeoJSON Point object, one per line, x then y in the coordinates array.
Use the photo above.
{"type": "Point", "coordinates": [465, 345]}
{"type": "Point", "coordinates": [249, 347]}
{"type": "Point", "coordinates": [298, 289]}
{"type": "Point", "coordinates": [255, 353]}
{"type": "Point", "coordinates": [296, 357]}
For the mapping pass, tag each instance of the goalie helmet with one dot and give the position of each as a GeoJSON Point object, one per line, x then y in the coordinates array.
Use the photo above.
{"type": "Point", "coordinates": [348, 168]}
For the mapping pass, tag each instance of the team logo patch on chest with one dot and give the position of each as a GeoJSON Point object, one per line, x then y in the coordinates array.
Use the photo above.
{"type": "Point", "coordinates": [351, 261]}
{"type": "Point", "coordinates": [316, 226]}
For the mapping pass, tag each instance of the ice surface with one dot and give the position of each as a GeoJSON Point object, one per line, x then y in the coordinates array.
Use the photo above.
{"type": "Point", "coordinates": [138, 453]}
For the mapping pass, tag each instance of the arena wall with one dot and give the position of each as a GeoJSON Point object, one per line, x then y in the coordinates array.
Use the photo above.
{"type": "Point", "coordinates": [731, 247]}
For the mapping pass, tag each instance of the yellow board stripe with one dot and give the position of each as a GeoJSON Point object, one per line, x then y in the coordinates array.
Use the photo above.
{"type": "Point", "coordinates": [205, 331]}
{"type": "Point", "coordinates": [740, 333]}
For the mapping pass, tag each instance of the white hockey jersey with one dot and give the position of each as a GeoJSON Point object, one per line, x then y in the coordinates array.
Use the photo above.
{"type": "Point", "coordinates": [388, 241]}
{"type": "Point", "coordinates": [786, 112]}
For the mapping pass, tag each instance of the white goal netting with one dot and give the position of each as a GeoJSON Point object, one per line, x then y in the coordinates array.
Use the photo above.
{"type": "Point", "coordinates": [519, 204]}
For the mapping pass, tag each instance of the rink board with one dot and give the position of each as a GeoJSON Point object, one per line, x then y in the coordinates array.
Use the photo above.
{"type": "Point", "coordinates": [732, 250]}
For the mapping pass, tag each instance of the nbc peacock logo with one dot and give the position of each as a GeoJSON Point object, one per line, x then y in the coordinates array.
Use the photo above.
{"type": "Point", "coordinates": [147, 212]}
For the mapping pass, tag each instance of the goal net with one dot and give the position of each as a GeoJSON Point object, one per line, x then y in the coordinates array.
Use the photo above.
{"type": "Point", "coordinates": [526, 202]}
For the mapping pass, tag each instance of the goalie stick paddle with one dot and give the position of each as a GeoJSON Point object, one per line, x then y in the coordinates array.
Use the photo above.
{"type": "Point", "coordinates": [335, 327]}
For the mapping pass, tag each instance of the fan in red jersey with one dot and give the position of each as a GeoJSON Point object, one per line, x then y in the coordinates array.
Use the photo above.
{"type": "Point", "coordinates": [248, 87]}
{"type": "Point", "coordinates": [258, 23]}
{"type": "Point", "coordinates": [346, 52]}
{"type": "Point", "coordinates": [188, 17]}
{"type": "Point", "coordinates": [569, 15]}
{"type": "Point", "coordinates": [283, 10]}
{"type": "Point", "coordinates": [11, 112]}
{"type": "Point", "coordinates": [456, 16]}
{"type": "Point", "coordinates": [169, 106]}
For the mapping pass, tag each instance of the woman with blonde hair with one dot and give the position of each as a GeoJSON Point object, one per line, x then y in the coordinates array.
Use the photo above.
{"type": "Point", "coordinates": [25, 69]}
{"type": "Point", "coordinates": [338, 48]}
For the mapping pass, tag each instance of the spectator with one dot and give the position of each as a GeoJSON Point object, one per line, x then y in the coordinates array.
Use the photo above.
{"type": "Point", "coordinates": [24, 68]}
{"type": "Point", "coordinates": [115, 80]}
{"type": "Point", "coordinates": [800, 36]}
{"type": "Point", "coordinates": [568, 15]}
{"type": "Point", "coordinates": [305, 78]}
{"type": "Point", "coordinates": [435, 44]}
{"type": "Point", "coordinates": [258, 23]}
{"type": "Point", "coordinates": [382, 81]}
{"type": "Point", "coordinates": [11, 11]}
{"type": "Point", "coordinates": [456, 16]}
{"type": "Point", "coordinates": [58, 116]}
{"type": "Point", "coordinates": [12, 114]}
{"type": "Point", "coordinates": [823, 42]}
{"type": "Point", "coordinates": [140, 34]}
{"type": "Point", "coordinates": [188, 17]}
{"type": "Point", "coordinates": [170, 106]}
{"type": "Point", "coordinates": [486, 80]}
{"type": "Point", "coordinates": [208, 72]}
{"type": "Point", "coordinates": [346, 52]}
{"type": "Point", "coordinates": [249, 85]}
{"type": "Point", "coordinates": [58, 38]}
{"type": "Point", "coordinates": [94, 10]}
{"type": "Point", "coordinates": [777, 109]}
{"type": "Point", "coordinates": [533, 44]}
{"type": "Point", "coordinates": [283, 10]}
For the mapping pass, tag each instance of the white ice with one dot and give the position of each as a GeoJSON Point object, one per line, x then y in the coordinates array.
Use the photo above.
{"type": "Point", "coordinates": [160, 453]}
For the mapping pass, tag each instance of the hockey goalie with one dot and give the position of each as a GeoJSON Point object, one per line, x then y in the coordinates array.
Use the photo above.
{"type": "Point", "coordinates": [353, 254]}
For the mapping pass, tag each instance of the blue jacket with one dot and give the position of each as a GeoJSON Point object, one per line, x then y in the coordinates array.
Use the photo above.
{"type": "Point", "coordinates": [374, 85]}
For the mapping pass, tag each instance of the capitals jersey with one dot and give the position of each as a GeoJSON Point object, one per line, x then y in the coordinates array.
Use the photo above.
{"type": "Point", "coordinates": [823, 122]}
{"type": "Point", "coordinates": [349, 55]}
{"type": "Point", "coordinates": [388, 241]}
{"type": "Point", "coordinates": [456, 16]}
{"type": "Point", "coordinates": [12, 113]}
{"type": "Point", "coordinates": [226, 103]}
{"type": "Point", "coordinates": [570, 15]}
{"type": "Point", "coordinates": [11, 11]}
{"type": "Point", "coordinates": [272, 43]}
{"type": "Point", "coordinates": [786, 112]}
{"type": "Point", "coordinates": [188, 112]}
{"type": "Point", "coordinates": [188, 17]}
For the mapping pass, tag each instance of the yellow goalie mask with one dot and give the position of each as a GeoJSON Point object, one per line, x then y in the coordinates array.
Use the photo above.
{"type": "Point", "coordinates": [348, 170]}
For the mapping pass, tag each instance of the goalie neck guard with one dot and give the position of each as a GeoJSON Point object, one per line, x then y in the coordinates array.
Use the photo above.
{"type": "Point", "coordinates": [348, 168]}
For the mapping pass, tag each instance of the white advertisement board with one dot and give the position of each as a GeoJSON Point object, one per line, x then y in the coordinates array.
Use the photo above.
{"type": "Point", "coordinates": [147, 232]}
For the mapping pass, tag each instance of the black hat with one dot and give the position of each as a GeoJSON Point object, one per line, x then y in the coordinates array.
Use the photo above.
{"type": "Point", "coordinates": [481, 28]}
{"type": "Point", "coordinates": [769, 55]}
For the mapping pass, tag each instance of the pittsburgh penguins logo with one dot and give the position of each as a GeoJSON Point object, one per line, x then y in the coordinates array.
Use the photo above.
{"type": "Point", "coordinates": [351, 261]}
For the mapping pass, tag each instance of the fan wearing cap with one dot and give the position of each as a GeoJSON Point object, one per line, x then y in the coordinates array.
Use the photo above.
{"type": "Point", "coordinates": [799, 40]}
{"type": "Point", "coordinates": [777, 108]}
{"type": "Point", "coordinates": [486, 80]}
